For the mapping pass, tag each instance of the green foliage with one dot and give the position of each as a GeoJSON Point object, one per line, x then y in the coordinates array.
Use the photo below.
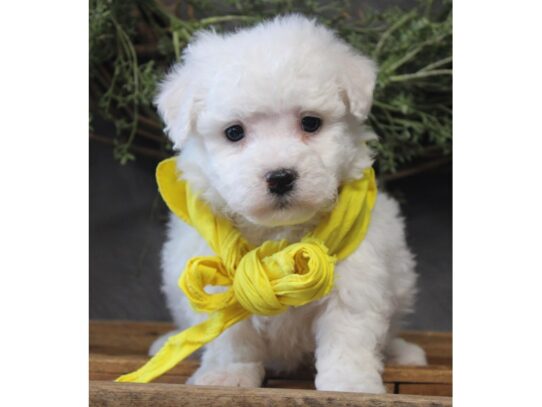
{"type": "Point", "coordinates": [133, 42]}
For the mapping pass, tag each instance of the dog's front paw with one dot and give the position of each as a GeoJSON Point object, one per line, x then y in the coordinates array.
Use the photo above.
{"type": "Point", "coordinates": [401, 352]}
{"type": "Point", "coordinates": [359, 383]}
{"type": "Point", "coordinates": [233, 375]}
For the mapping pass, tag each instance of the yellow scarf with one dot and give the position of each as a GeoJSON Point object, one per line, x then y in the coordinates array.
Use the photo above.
{"type": "Point", "coordinates": [263, 280]}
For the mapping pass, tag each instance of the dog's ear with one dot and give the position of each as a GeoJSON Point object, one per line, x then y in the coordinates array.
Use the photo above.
{"type": "Point", "coordinates": [179, 99]}
{"type": "Point", "coordinates": [176, 101]}
{"type": "Point", "coordinates": [358, 78]}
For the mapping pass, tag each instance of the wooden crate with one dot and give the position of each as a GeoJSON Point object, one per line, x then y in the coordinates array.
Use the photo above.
{"type": "Point", "coordinates": [117, 347]}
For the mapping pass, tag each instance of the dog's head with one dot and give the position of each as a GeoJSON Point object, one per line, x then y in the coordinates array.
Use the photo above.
{"type": "Point", "coordinates": [269, 119]}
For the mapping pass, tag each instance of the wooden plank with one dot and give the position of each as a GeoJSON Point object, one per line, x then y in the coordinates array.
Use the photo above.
{"type": "Point", "coordinates": [107, 367]}
{"type": "Point", "coordinates": [289, 384]}
{"type": "Point", "coordinates": [430, 389]}
{"type": "Point", "coordinates": [437, 345]}
{"type": "Point", "coordinates": [306, 385]}
{"type": "Point", "coordinates": [126, 337]}
{"type": "Point", "coordinates": [158, 394]}
{"type": "Point", "coordinates": [272, 383]}
{"type": "Point", "coordinates": [118, 365]}
{"type": "Point", "coordinates": [108, 377]}
{"type": "Point", "coordinates": [418, 374]}
{"type": "Point", "coordinates": [118, 347]}
{"type": "Point", "coordinates": [126, 363]}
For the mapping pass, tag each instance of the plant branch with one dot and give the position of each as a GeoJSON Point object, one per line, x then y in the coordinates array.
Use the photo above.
{"type": "Point", "coordinates": [418, 75]}
{"type": "Point", "coordinates": [387, 34]}
{"type": "Point", "coordinates": [407, 172]}
{"type": "Point", "coordinates": [142, 150]}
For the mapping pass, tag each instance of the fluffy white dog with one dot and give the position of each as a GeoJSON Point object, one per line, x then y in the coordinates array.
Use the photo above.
{"type": "Point", "coordinates": [269, 121]}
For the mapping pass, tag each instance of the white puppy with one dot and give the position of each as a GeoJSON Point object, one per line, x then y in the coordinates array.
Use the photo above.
{"type": "Point", "coordinates": [269, 121]}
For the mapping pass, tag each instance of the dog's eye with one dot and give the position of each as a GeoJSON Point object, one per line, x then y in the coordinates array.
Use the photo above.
{"type": "Point", "coordinates": [234, 133]}
{"type": "Point", "coordinates": [310, 123]}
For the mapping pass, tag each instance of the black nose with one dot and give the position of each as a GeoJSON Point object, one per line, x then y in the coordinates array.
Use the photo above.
{"type": "Point", "coordinates": [281, 181]}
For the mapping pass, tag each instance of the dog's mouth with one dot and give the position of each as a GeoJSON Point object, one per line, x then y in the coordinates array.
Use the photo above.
{"type": "Point", "coordinates": [283, 211]}
{"type": "Point", "coordinates": [283, 203]}
{"type": "Point", "coordinates": [288, 209]}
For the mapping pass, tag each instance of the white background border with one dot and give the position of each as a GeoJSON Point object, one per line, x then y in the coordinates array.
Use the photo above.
{"type": "Point", "coordinates": [44, 203]}
{"type": "Point", "coordinates": [497, 203]}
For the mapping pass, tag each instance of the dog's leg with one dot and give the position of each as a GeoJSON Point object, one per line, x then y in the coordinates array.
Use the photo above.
{"type": "Point", "coordinates": [352, 329]}
{"type": "Point", "coordinates": [235, 359]}
{"type": "Point", "coordinates": [401, 352]}
{"type": "Point", "coordinates": [348, 357]}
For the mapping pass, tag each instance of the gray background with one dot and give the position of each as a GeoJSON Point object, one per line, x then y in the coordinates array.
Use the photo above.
{"type": "Point", "coordinates": [127, 230]}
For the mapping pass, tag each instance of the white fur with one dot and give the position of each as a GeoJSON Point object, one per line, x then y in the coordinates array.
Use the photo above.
{"type": "Point", "coordinates": [266, 78]}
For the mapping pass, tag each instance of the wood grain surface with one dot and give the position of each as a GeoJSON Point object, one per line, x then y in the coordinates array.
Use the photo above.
{"type": "Point", "coordinates": [159, 394]}
{"type": "Point", "coordinates": [118, 347]}
{"type": "Point", "coordinates": [127, 337]}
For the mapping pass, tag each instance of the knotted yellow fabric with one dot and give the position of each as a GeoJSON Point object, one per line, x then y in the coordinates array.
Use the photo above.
{"type": "Point", "coordinates": [263, 280]}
